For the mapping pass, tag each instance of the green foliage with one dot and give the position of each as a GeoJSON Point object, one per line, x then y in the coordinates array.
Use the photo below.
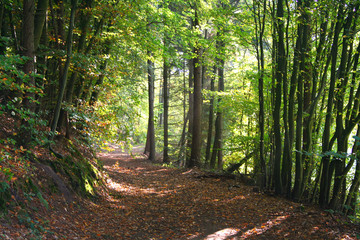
{"type": "Point", "coordinates": [5, 194]}
{"type": "Point", "coordinates": [37, 227]}
{"type": "Point", "coordinates": [14, 85]}
{"type": "Point", "coordinates": [13, 79]}
{"type": "Point", "coordinates": [35, 124]}
{"type": "Point", "coordinates": [83, 176]}
{"type": "Point", "coordinates": [117, 115]}
{"type": "Point", "coordinates": [42, 200]}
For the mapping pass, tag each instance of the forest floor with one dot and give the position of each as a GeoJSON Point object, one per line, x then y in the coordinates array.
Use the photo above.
{"type": "Point", "coordinates": [148, 201]}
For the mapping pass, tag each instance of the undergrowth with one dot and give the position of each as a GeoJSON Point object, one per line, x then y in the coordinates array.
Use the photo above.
{"type": "Point", "coordinates": [26, 189]}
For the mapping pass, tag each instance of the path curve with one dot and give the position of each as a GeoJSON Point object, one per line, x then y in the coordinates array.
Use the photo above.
{"type": "Point", "coordinates": [147, 201]}
{"type": "Point", "coordinates": [153, 202]}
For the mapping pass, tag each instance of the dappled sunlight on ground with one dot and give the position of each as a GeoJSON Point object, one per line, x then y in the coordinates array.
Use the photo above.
{"type": "Point", "coordinates": [117, 155]}
{"type": "Point", "coordinates": [264, 227]}
{"type": "Point", "coordinates": [226, 233]}
{"type": "Point", "coordinates": [146, 201]}
{"type": "Point", "coordinates": [133, 190]}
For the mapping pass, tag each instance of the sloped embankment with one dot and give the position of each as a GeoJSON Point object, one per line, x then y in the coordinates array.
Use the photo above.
{"type": "Point", "coordinates": [36, 185]}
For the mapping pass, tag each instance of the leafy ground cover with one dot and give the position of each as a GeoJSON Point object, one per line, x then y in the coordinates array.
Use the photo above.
{"type": "Point", "coordinates": [147, 201]}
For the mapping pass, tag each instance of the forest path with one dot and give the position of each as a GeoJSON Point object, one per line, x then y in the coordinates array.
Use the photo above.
{"type": "Point", "coordinates": [148, 201]}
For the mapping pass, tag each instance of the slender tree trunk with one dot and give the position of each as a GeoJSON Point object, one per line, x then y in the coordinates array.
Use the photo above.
{"type": "Point", "coordinates": [286, 161]}
{"type": "Point", "coordinates": [303, 136]}
{"type": "Point", "coordinates": [261, 98]}
{"type": "Point", "coordinates": [196, 130]}
{"type": "Point", "coordinates": [182, 156]}
{"type": "Point", "coordinates": [211, 119]}
{"type": "Point", "coordinates": [151, 127]}
{"type": "Point", "coordinates": [40, 18]}
{"type": "Point", "coordinates": [191, 110]}
{"type": "Point", "coordinates": [77, 86]}
{"type": "Point", "coordinates": [66, 67]}
{"type": "Point", "coordinates": [354, 189]}
{"type": "Point", "coordinates": [147, 143]}
{"type": "Point", "coordinates": [217, 148]}
{"type": "Point", "coordinates": [166, 107]}
{"type": "Point", "coordinates": [96, 91]}
{"type": "Point", "coordinates": [326, 175]}
{"type": "Point", "coordinates": [279, 78]}
{"type": "Point", "coordinates": [28, 51]}
{"type": "Point", "coordinates": [219, 118]}
{"type": "Point", "coordinates": [2, 30]}
{"type": "Point", "coordinates": [182, 142]}
{"type": "Point", "coordinates": [84, 28]}
{"type": "Point", "coordinates": [341, 134]}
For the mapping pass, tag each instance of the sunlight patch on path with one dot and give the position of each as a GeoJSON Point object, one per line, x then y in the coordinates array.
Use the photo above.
{"type": "Point", "coordinates": [131, 190]}
{"type": "Point", "coordinates": [264, 227]}
{"type": "Point", "coordinates": [114, 155]}
{"type": "Point", "coordinates": [223, 234]}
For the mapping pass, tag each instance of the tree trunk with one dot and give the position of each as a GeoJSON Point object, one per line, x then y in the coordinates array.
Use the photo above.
{"type": "Point", "coordinates": [341, 134]}
{"type": "Point", "coordinates": [28, 51]}
{"type": "Point", "coordinates": [196, 130]}
{"type": "Point", "coordinates": [354, 189]}
{"type": "Point", "coordinates": [326, 175]}
{"type": "Point", "coordinates": [303, 137]}
{"type": "Point", "coordinates": [166, 69]}
{"type": "Point", "coordinates": [191, 110]}
{"type": "Point", "coordinates": [40, 18]}
{"type": "Point", "coordinates": [211, 119]}
{"type": "Point", "coordinates": [151, 127]}
{"type": "Point", "coordinates": [66, 68]}
{"type": "Point", "coordinates": [287, 160]}
{"type": "Point", "coordinates": [84, 28]}
{"type": "Point", "coordinates": [95, 93]}
{"type": "Point", "coordinates": [279, 78]}
{"type": "Point", "coordinates": [219, 115]}
{"type": "Point", "coordinates": [261, 69]}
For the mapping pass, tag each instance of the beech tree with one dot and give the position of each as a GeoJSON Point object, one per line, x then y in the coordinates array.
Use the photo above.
{"type": "Point", "coordinates": [267, 88]}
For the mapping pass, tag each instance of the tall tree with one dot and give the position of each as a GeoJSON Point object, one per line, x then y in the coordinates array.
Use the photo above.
{"type": "Point", "coordinates": [150, 142]}
{"type": "Point", "coordinates": [217, 152]}
{"type": "Point", "coordinates": [28, 50]}
{"type": "Point", "coordinates": [259, 20]}
{"type": "Point", "coordinates": [280, 75]}
{"type": "Point", "coordinates": [166, 69]}
{"type": "Point", "coordinates": [196, 128]}
{"type": "Point", "coordinates": [211, 118]}
{"type": "Point", "coordinates": [343, 130]}
{"type": "Point", "coordinates": [39, 21]}
{"type": "Point", "coordinates": [303, 79]}
{"type": "Point", "coordinates": [63, 79]}
{"type": "Point", "coordinates": [326, 175]}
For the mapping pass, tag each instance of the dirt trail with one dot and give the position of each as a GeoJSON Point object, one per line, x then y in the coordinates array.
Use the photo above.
{"type": "Point", "coordinates": [152, 202]}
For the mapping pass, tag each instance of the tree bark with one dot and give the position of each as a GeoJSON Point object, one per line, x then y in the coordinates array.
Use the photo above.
{"type": "Point", "coordinates": [279, 78]}
{"type": "Point", "coordinates": [166, 69]}
{"type": "Point", "coordinates": [28, 51]}
{"type": "Point", "coordinates": [151, 127]}
{"type": "Point", "coordinates": [217, 152]}
{"type": "Point", "coordinates": [40, 17]}
{"type": "Point", "coordinates": [260, 29]}
{"type": "Point", "coordinates": [63, 79]}
{"type": "Point", "coordinates": [326, 175]}
{"type": "Point", "coordinates": [211, 119]}
{"type": "Point", "coordinates": [197, 112]}
{"type": "Point", "coordinates": [341, 134]}
{"type": "Point", "coordinates": [303, 137]}
{"type": "Point", "coordinates": [191, 110]}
